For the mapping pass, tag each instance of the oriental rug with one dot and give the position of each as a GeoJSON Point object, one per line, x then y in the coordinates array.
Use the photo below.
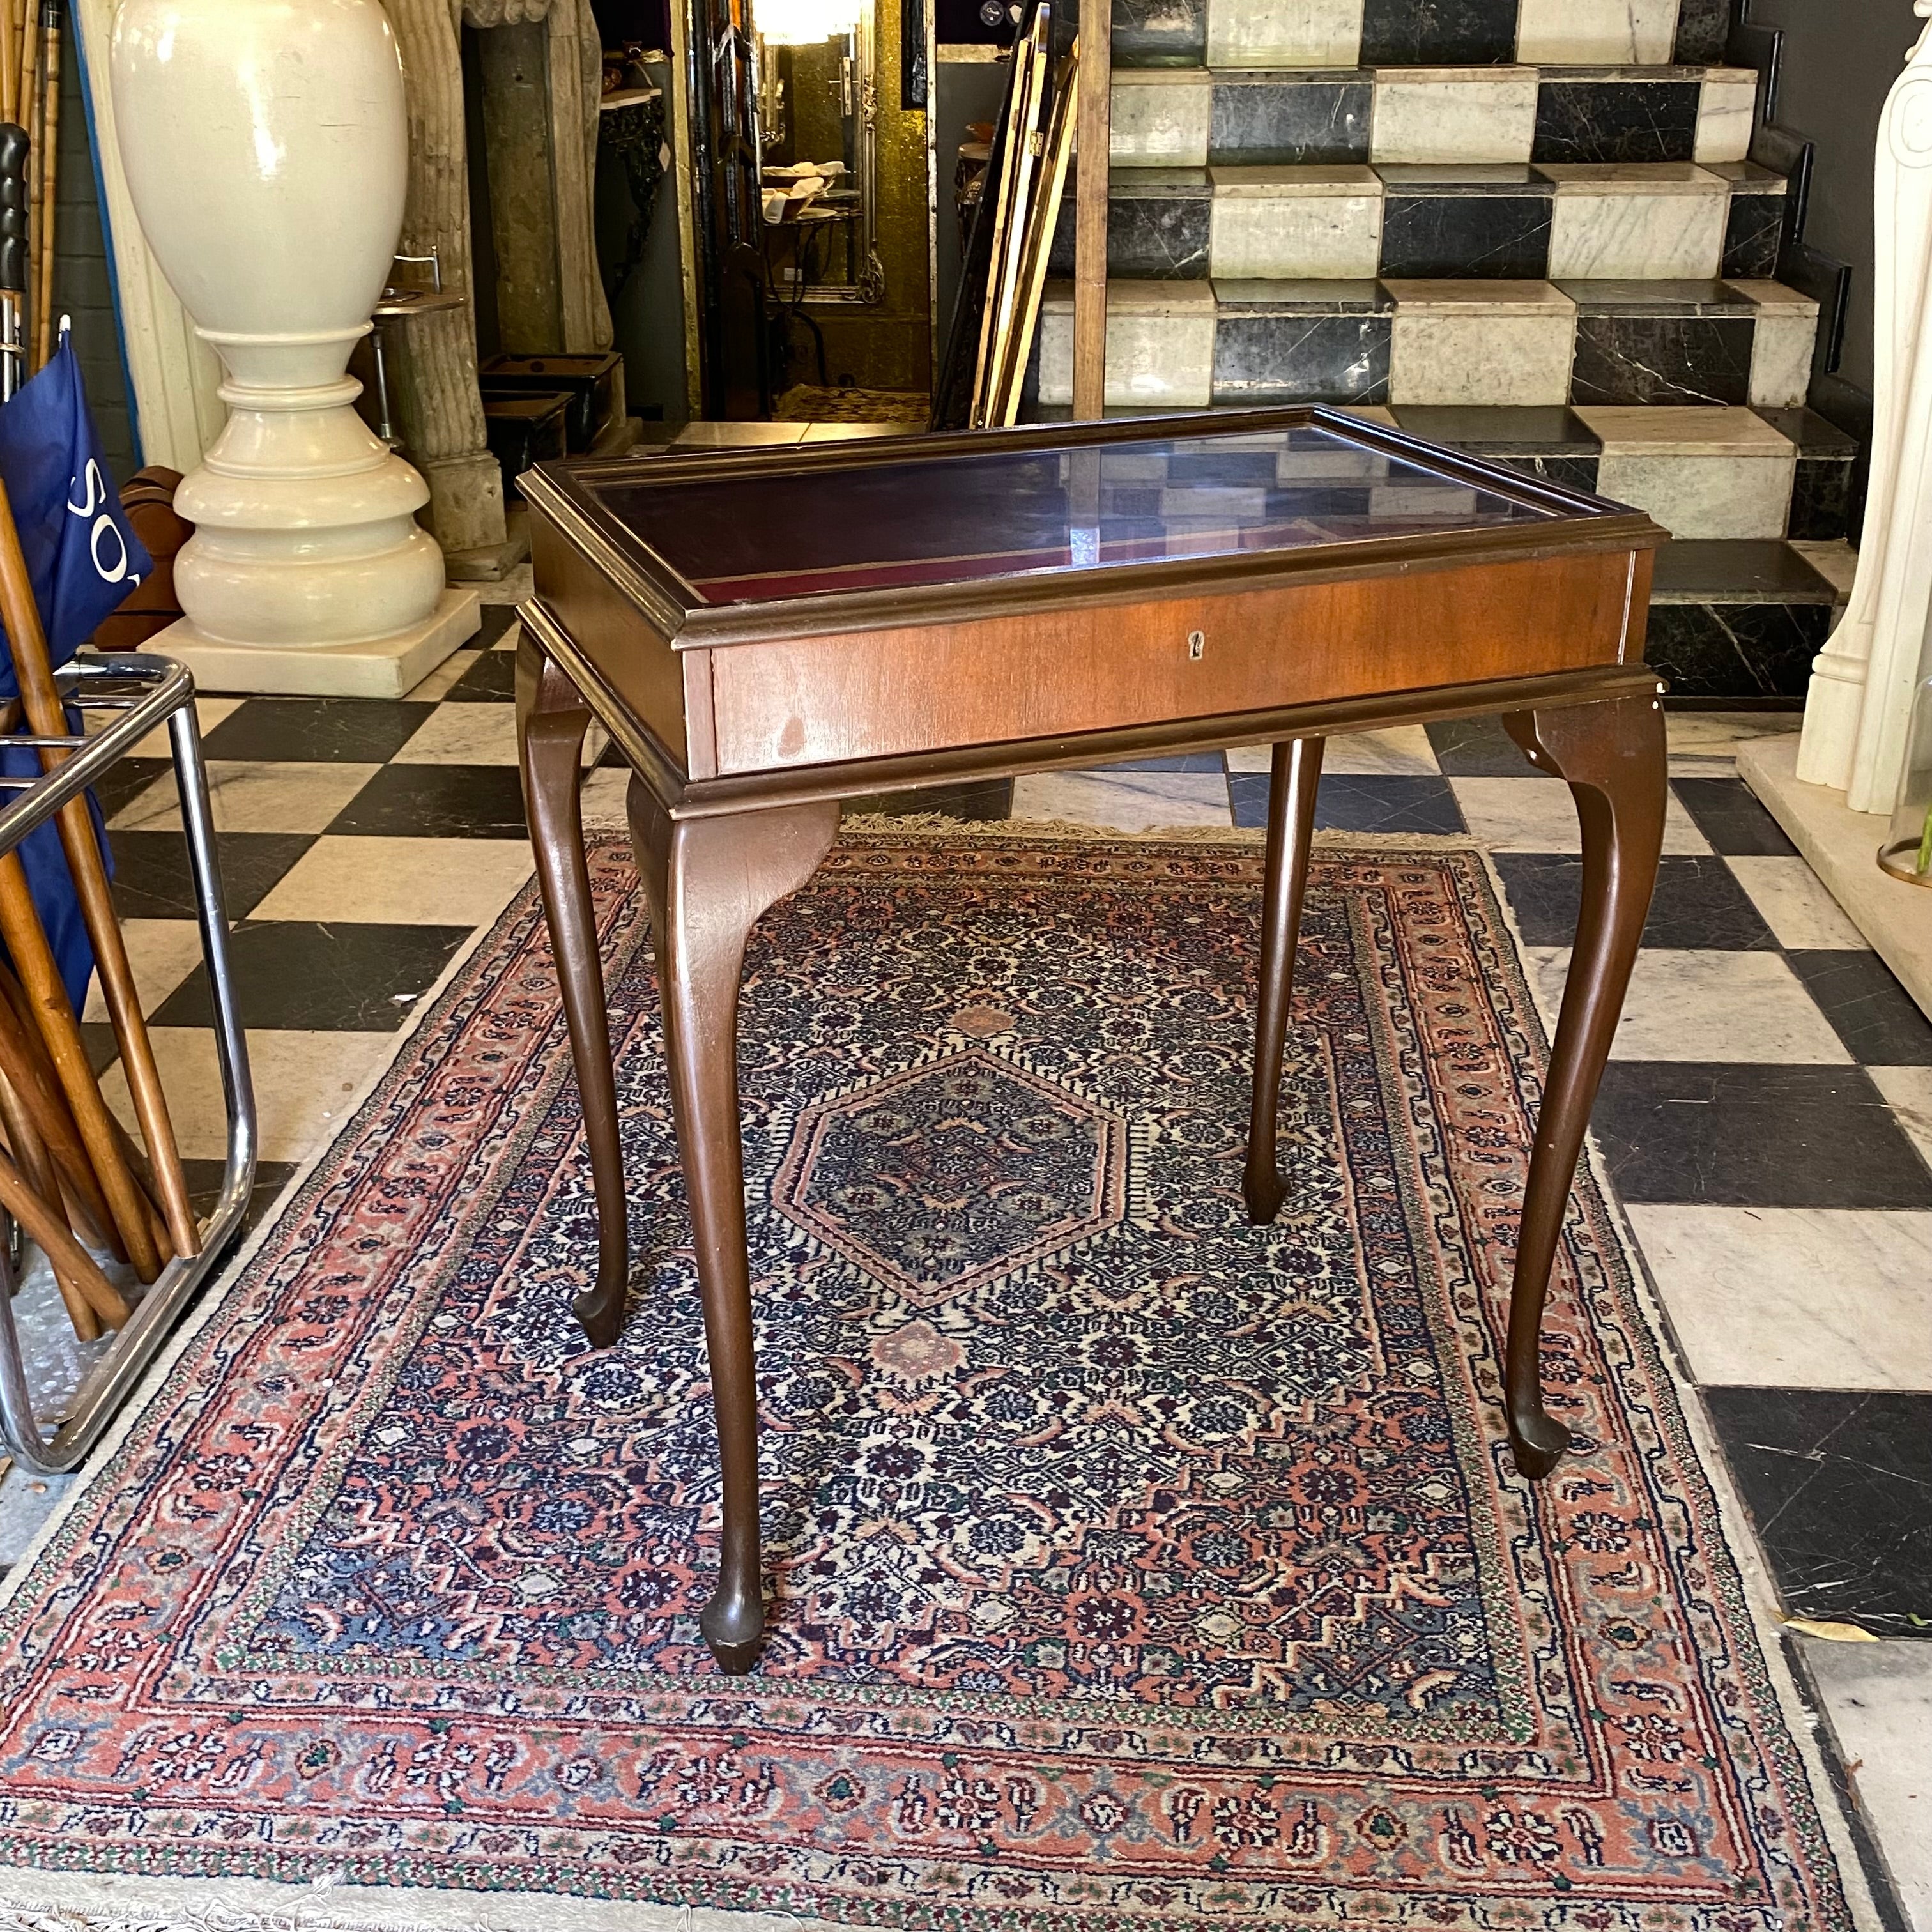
{"type": "Point", "coordinates": [1131, 1566]}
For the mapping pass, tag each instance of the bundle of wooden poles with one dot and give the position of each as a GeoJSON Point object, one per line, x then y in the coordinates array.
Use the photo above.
{"type": "Point", "coordinates": [75, 1181]}
{"type": "Point", "coordinates": [30, 87]}
{"type": "Point", "coordinates": [1037, 145]}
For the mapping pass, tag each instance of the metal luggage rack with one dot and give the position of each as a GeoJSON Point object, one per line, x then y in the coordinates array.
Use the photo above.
{"type": "Point", "coordinates": [148, 691]}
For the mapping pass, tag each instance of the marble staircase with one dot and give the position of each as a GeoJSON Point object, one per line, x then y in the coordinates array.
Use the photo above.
{"type": "Point", "coordinates": [1549, 231]}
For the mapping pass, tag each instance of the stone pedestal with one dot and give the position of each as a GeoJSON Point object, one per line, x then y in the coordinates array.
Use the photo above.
{"type": "Point", "coordinates": [265, 150]}
{"type": "Point", "coordinates": [388, 666]}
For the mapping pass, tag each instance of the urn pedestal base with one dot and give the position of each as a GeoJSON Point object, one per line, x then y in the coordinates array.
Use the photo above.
{"type": "Point", "coordinates": [383, 667]}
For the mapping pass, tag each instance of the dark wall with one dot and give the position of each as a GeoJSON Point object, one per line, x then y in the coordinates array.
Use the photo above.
{"type": "Point", "coordinates": [1840, 59]}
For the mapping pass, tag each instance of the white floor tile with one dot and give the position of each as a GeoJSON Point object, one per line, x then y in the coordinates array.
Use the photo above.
{"type": "Point", "coordinates": [400, 881]}
{"type": "Point", "coordinates": [1795, 1297]}
{"type": "Point", "coordinates": [463, 733]}
{"type": "Point", "coordinates": [302, 1082]}
{"type": "Point", "coordinates": [1738, 1007]}
{"type": "Point", "coordinates": [1878, 1697]}
{"type": "Point", "coordinates": [266, 796]}
{"type": "Point", "coordinates": [1909, 1089]}
{"type": "Point", "coordinates": [1802, 914]}
{"type": "Point", "coordinates": [1123, 801]}
{"type": "Point", "coordinates": [161, 951]}
{"type": "Point", "coordinates": [1526, 815]}
{"type": "Point", "coordinates": [444, 678]}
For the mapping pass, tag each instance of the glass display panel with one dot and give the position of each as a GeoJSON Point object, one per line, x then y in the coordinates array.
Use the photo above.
{"type": "Point", "coordinates": [944, 520]}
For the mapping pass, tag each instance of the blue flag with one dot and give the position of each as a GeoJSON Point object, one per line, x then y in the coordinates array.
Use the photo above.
{"type": "Point", "coordinates": [83, 557]}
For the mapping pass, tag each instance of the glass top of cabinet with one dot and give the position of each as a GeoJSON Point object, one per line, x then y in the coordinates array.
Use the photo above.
{"type": "Point", "coordinates": [870, 516]}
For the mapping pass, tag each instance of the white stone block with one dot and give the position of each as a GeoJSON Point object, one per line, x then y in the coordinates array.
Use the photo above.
{"type": "Point", "coordinates": [1160, 117]}
{"type": "Point", "coordinates": [1160, 345]}
{"type": "Point", "coordinates": [1454, 114]}
{"type": "Point", "coordinates": [1268, 223]}
{"type": "Point", "coordinates": [1575, 33]}
{"type": "Point", "coordinates": [1697, 496]}
{"type": "Point", "coordinates": [1725, 113]}
{"type": "Point", "coordinates": [1482, 343]}
{"type": "Point", "coordinates": [1616, 223]}
{"type": "Point", "coordinates": [1284, 33]}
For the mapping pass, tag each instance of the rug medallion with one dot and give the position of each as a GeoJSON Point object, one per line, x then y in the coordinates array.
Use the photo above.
{"type": "Point", "coordinates": [1131, 1566]}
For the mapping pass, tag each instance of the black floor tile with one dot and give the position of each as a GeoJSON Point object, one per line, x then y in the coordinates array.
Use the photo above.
{"type": "Point", "coordinates": [1734, 822]}
{"type": "Point", "coordinates": [311, 975]}
{"type": "Point", "coordinates": [1838, 1482]}
{"type": "Point", "coordinates": [102, 1050]}
{"type": "Point", "coordinates": [437, 801]}
{"type": "Point", "coordinates": [497, 618]}
{"type": "Point", "coordinates": [1878, 1020]}
{"type": "Point", "coordinates": [1698, 903]}
{"type": "Point", "coordinates": [492, 677]}
{"type": "Point", "coordinates": [1184, 761]}
{"type": "Point", "coordinates": [1743, 1136]}
{"type": "Point", "coordinates": [122, 784]}
{"type": "Point", "coordinates": [1349, 803]}
{"type": "Point", "coordinates": [152, 879]}
{"type": "Point", "coordinates": [317, 730]}
{"type": "Point", "coordinates": [1479, 748]}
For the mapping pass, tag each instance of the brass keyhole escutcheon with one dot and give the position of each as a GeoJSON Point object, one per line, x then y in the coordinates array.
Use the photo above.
{"type": "Point", "coordinates": [1197, 646]}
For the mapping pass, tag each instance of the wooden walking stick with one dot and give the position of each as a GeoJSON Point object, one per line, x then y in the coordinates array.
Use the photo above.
{"type": "Point", "coordinates": [48, 178]}
{"type": "Point", "coordinates": [31, 1076]}
{"type": "Point", "coordinates": [46, 995]}
{"type": "Point", "coordinates": [10, 60]}
{"type": "Point", "coordinates": [73, 1266]}
{"type": "Point", "coordinates": [21, 617]}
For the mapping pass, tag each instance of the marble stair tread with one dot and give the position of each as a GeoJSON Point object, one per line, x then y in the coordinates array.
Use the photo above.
{"type": "Point", "coordinates": [1666, 430]}
{"type": "Point", "coordinates": [1521, 430]}
{"type": "Point", "coordinates": [1668, 295]}
{"type": "Point", "coordinates": [1741, 571]}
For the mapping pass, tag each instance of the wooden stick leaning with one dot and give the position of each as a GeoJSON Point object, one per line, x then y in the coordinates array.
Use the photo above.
{"type": "Point", "coordinates": [1008, 152]}
{"type": "Point", "coordinates": [22, 617]}
{"type": "Point", "coordinates": [31, 102]}
{"type": "Point", "coordinates": [26, 39]}
{"type": "Point", "coordinates": [27, 943]}
{"type": "Point", "coordinates": [1044, 219]}
{"type": "Point", "coordinates": [30, 1073]}
{"type": "Point", "coordinates": [48, 175]}
{"type": "Point", "coordinates": [37, 1170]}
{"type": "Point", "coordinates": [1003, 286]}
{"type": "Point", "coordinates": [74, 1267]}
{"type": "Point", "coordinates": [1093, 141]}
{"type": "Point", "coordinates": [10, 60]}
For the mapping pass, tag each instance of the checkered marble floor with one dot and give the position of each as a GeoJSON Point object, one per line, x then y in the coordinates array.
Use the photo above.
{"type": "Point", "coordinates": [1767, 1115]}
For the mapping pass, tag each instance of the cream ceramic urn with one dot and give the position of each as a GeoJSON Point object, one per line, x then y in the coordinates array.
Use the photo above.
{"type": "Point", "coordinates": [264, 142]}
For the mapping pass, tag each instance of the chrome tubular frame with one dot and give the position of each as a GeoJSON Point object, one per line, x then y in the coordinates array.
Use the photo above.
{"type": "Point", "coordinates": [148, 691]}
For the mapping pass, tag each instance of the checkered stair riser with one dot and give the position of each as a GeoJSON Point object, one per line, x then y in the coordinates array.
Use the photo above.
{"type": "Point", "coordinates": [1347, 34]}
{"type": "Point", "coordinates": [1227, 114]}
{"type": "Point", "coordinates": [1584, 223]}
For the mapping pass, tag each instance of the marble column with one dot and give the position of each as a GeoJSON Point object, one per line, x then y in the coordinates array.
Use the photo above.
{"type": "Point", "coordinates": [1858, 706]}
{"type": "Point", "coordinates": [432, 358]}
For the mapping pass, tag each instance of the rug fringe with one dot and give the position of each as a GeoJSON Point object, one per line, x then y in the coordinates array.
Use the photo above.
{"type": "Point", "coordinates": [926, 824]}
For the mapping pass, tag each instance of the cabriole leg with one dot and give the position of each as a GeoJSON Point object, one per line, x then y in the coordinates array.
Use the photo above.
{"type": "Point", "coordinates": [1613, 756]}
{"type": "Point", "coordinates": [708, 879]}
